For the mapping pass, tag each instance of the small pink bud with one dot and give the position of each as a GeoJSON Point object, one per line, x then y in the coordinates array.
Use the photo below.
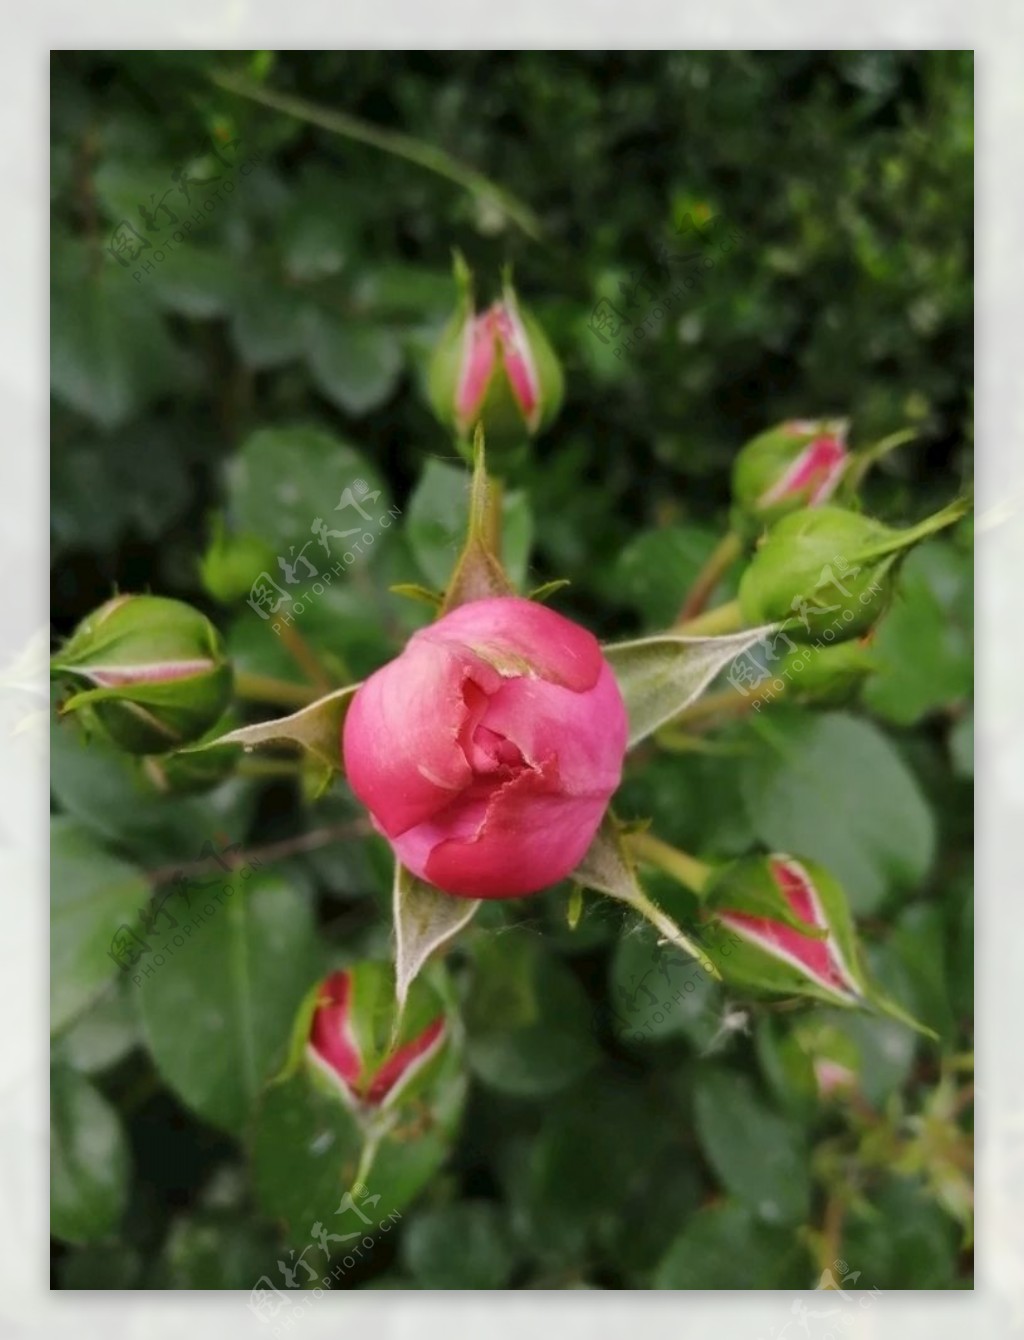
{"type": "Point", "coordinates": [796, 464]}
{"type": "Point", "coordinates": [494, 368]}
{"type": "Point", "coordinates": [488, 750]}
{"type": "Point", "coordinates": [792, 930]}
{"type": "Point", "coordinates": [340, 1042]}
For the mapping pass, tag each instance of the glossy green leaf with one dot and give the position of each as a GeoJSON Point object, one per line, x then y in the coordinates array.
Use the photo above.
{"type": "Point", "coordinates": [218, 1011]}
{"type": "Point", "coordinates": [833, 788]}
{"type": "Point", "coordinates": [89, 1162]}
{"type": "Point", "coordinates": [92, 895]}
{"type": "Point", "coordinates": [760, 1157]}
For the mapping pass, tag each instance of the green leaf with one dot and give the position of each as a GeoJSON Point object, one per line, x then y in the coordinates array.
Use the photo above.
{"type": "Point", "coordinates": [725, 1247]}
{"type": "Point", "coordinates": [438, 517]}
{"type": "Point", "coordinates": [102, 1036]}
{"type": "Point", "coordinates": [218, 1011]}
{"type": "Point", "coordinates": [283, 479]}
{"type": "Point", "coordinates": [317, 728]}
{"type": "Point", "coordinates": [923, 647]}
{"type": "Point", "coordinates": [483, 1259]}
{"type": "Point", "coordinates": [92, 895]}
{"type": "Point", "coordinates": [758, 1156]}
{"type": "Point", "coordinates": [357, 366]}
{"type": "Point", "coordinates": [833, 788]}
{"type": "Point", "coordinates": [425, 920]}
{"type": "Point", "coordinates": [656, 993]}
{"type": "Point", "coordinates": [661, 675]}
{"type": "Point", "coordinates": [528, 1022]}
{"type": "Point", "coordinates": [89, 1164]}
{"type": "Point", "coordinates": [110, 353]}
{"type": "Point", "coordinates": [654, 572]}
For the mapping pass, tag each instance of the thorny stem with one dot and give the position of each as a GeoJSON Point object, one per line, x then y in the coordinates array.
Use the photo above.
{"type": "Point", "coordinates": [270, 689]}
{"type": "Point", "coordinates": [271, 851]}
{"type": "Point", "coordinates": [722, 619]}
{"type": "Point", "coordinates": [721, 559]}
{"type": "Point", "coordinates": [306, 658]}
{"type": "Point", "coordinates": [680, 865]}
{"type": "Point", "coordinates": [390, 141]}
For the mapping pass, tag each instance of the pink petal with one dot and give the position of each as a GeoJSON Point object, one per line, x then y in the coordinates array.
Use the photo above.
{"type": "Point", "coordinates": [330, 1037]}
{"type": "Point", "coordinates": [586, 731]}
{"type": "Point", "coordinates": [818, 469]}
{"type": "Point", "coordinates": [518, 360]}
{"type": "Point", "coordinates": [401, 736]}
{"type": "Point", "coordinates": [521, 637]}
{"type": "Point", "coordinates": [399, 1062]}
{"type": "Point", "coordinates": [524, 838]}
{"type": "Point", "coordinates": [478, 359]}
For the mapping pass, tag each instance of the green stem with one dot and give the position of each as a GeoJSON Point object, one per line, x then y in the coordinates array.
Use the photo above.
{"type": "Point", "coordinates": [725, 703]}
{"type": "Point", "coordinates": [903, 539]}
{"type": "Point", "coordinates": [720, 560]}
{"type": "Point", "coordinates": [862, 461]}
{"type": "Point", "coordinates": [389, 141]}
{"type": "Point", "coordinates": [680, 865]}
{"type": "Point", "coordinates": [268, 689]}
{"type": "Point", "coordinates": [722, 619]}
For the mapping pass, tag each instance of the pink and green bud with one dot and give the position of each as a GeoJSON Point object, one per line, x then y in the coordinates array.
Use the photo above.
{"type": "Point", "coordinates": [350, 1039]}
{"type": "Point", "coordinates": [796, 464]}
{"type": "Point", "coordinates": [792, 929]}
{"type": "Point", "coordinates": [150, 673]}
{"type": "Point", "coordinates": [828, 573]}
{"type": "Point", "coordinates": [494, 368]}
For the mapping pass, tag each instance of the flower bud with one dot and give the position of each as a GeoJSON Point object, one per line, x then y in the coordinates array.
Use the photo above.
{"type": "Point", "coordinates": [488, 750]}
{"type": "Point", "coordinates": [829, 676]}
{"type": "Point", "coordinates": [230, 562]}
{"type": "Point", "coordinates": [153, 672]}
{"type": "Point", "coordinates": [796, 464]}
{"type": "Point", "coordinates": [495, 368]}
{"type": "Point", "coordinates": [792, 929]}
{"type": "Point", "coordinates": [350, 1035]}
{"type": "Point", "coordinates": [828, 571]}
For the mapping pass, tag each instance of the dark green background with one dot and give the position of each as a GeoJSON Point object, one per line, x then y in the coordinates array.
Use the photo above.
{"type": "Point", "coordinates": [308, 302]}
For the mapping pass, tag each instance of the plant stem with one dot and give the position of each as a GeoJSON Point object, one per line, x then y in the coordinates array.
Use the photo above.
{"type": "Point", "coordinates": [268, 689]}
{"type": "Point", "coordinates": [720, 560]}
{"type": "Point", "coordinates": [390, 141]}
{"type": "Point", "coordinates": [271, 851]}
{"type": "Point", "coordinates": [725, 703]}
{"type": "Point", "coordinates": [862, 461]}
{"type": "Point", "coordinates": [306, 658]}
{"type": "Point", "coordinates": [722, 619]}
{"type": "Point", "coordinates": [680, 865]}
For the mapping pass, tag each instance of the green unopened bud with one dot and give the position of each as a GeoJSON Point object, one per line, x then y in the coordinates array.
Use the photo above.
{"type": "Point", "coordinates": [151, 672]}
{"type": "Point", "coordinates": [231, 562]}
{"type": "Point", "coordinates": [829, 573]}
{"type": "Point", "coordinates": [494, 368]}
{"type": "Point", "coordinates": [796, 464]}
{"type": "Point", "coordinates": [828, 675]}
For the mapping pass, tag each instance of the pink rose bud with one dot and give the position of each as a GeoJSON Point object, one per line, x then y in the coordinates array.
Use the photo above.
{"type": "Point", "coordinates": [797, 464]}
{"type": "Point", "coordinates": [793, 929]}
{"type": "Point", "coordinates": [496, 368]}
{"type": "Point", "coordinates": [342, 1041]}
{"type": "Point", "coordinates": [488, 750]}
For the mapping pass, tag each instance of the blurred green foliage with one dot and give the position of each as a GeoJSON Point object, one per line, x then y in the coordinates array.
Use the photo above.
{"type": "Point", "coordinates": [234, 383]}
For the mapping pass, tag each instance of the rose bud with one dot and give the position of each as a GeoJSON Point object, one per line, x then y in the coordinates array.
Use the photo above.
{"type": "Point", "coordinates": [154, 671]}
{"type": "Point", "coordinates": [829, 676]}
{"type": "Point", "coordinates": [488, 750]}
{"type": "Point", "coordinates": [350, 1038]}
{"type": "Point", "coordinates": [796, 464]}
{"type": "Point", "coordinates": [828, 571]}
{"type": "Point", "coordinates": [792, 930]}
{"type": "Point", "coordinates": [496, 368]}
